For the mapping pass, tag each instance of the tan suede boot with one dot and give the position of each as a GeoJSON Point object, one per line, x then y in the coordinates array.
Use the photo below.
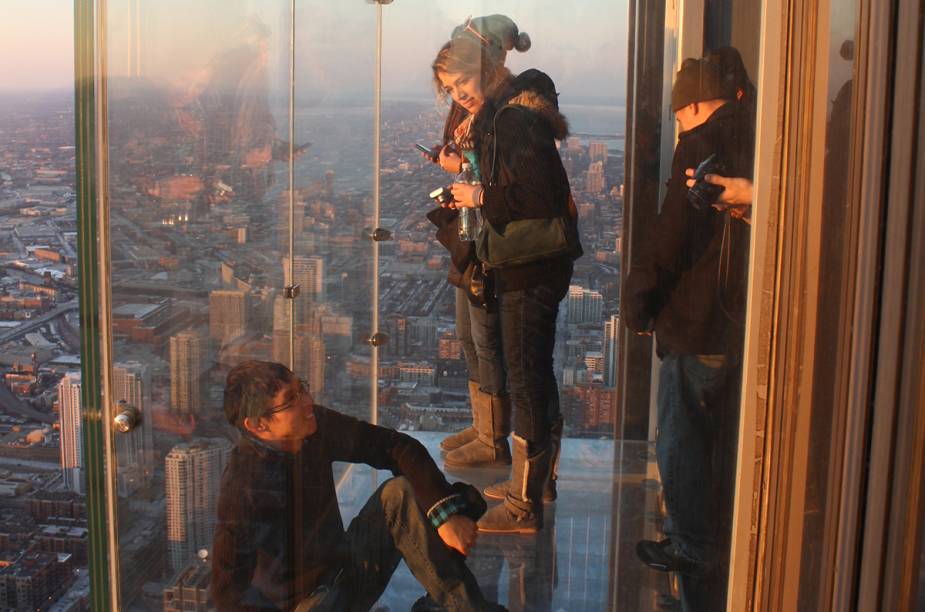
{"type": "Point", "coordinates": [490, 446]}
{"type": "Point", "coordinates": [499, 490]}
{"type": "Point", "coordinates": [522, 509]}
{"type": "Point", "coordinates": [469, 433]}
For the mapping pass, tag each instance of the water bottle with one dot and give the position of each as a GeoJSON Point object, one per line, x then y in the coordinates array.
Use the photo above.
{"type": "Point", "coordinates": [468, 218]}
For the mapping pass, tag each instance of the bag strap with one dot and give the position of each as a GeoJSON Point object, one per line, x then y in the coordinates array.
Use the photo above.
{"type": "Point", "coordinates": [494, 142]}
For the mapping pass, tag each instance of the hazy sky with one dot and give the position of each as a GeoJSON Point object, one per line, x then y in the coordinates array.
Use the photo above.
{"type": "Point", "coordinates": [36, 44]}
{"type": "Point", "coordinates": [581, 44]}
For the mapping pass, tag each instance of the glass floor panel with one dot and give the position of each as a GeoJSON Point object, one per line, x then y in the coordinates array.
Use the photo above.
{"type": "Point", "coordinates": [569, 565]}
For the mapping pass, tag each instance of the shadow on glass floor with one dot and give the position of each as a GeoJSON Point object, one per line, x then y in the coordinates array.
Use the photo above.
{"type": "Point", "coordinates": [583, 560]}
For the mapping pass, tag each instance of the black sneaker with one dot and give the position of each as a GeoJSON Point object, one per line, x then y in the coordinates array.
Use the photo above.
{"type": "Point", "coordinates": [664, 557]}
{"type": "Point", "coordinates": [426, 603]}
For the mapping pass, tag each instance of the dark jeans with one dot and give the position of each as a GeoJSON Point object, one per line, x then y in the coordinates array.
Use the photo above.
{"type": "Point", "coordinates": [694, 408]}
{"type": "Point", "coordinates": [389, 528]}
{"type": "Point", "coordinates": [528, 334]}
{"type": "Point", "coordinates": [480, 333]}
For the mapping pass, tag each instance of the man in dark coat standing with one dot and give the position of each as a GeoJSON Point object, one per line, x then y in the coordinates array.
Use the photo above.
{"type": "Point", "coordinates": [687, 284]}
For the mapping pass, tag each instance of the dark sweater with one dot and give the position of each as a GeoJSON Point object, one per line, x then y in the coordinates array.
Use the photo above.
{"type": "Point", "coordinates": [687, 280]}
{"type": "Point", "coordinates": [279, 532]}
{"type": "Point", "coordinates": [522, 173]}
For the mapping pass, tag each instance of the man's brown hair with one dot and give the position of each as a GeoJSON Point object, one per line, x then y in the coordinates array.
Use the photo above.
{"type": "Point", "coordinates": [249, 388]}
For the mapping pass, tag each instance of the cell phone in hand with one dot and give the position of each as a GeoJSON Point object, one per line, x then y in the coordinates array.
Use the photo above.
{"type": "Point", "coordinates": [433, 154]}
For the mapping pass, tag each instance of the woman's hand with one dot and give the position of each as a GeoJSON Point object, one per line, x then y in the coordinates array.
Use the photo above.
{"type": "Point", "coordinates": [465, 195]}
{"type": "Point", "coordinates": [450, 160]}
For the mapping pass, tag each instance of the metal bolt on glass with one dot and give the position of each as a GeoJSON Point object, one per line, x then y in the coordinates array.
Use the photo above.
{"type": "Point", "coordinates": [128, 418]}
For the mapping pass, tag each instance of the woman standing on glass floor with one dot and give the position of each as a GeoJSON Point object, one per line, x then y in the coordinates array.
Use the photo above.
{"type": "Point", "coordinates": [478, 327]}
{"type": "Point", "coordinates": [523, 192]}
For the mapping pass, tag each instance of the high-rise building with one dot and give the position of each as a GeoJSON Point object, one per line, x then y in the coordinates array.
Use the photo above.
{"type": "Point", "coordinates": [309, 355]}
{"type": "Point", "coordinates": [71, 445]}
{"type": "Point", "coordinates": [316, 364]}
{"type": "Point", "coordinates": [597, 151]}
{"type": "Point", "coordinates": [186, 372]}
{"type": "Point", "coordinates": [594, 362]}
{"type": "Point", "coordinates": [594, 179]}
{"type": "Point", "coordinates": [329, 183]}
{"type": "Point", "coordinates": [193, 472]}
{"type": "Point", "coordinates": [584, 305]}
{"type": "Point", "coordinates": [449, 346]}
{"type": "Point", "coordinates": [308, 274]}
{"type": "Point", "coordinates": [396, 326]}
{"type": "Point", "coordinates": [611, 350]}
{"type": "Point", "coordinates": [189, 589]}
{"type": "Point", "coordinates": [135, 448]}
{"type": "Point", "coordinates": [227, 314]}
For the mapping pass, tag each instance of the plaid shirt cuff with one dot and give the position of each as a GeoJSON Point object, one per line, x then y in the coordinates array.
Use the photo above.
{"type": "Point", "coordinates": [441, 512]}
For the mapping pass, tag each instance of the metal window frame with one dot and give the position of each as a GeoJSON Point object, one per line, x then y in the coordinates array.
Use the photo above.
{"type": "Point", "coordinates": [894, 523]}
{"type": "Point", "coordinates": [871, 398]}
{"type": "Point", "coordinates": [89, 96]}
{"type": "Point", "coordinates": [92, 149]}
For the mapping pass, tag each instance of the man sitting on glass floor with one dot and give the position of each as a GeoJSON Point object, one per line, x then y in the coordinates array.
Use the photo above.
{"type": "Point", "coordinates": [280, 542]}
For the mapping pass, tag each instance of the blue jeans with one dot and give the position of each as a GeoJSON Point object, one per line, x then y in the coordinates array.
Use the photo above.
{"type": "Point", "coordinates": [528, 334]}
{"type": "Point", "coordinates": [480, 333]}
{"type": "Point", "coordinates": [691, 403]}
{"type": "Point", "coordinates": [389, 528]}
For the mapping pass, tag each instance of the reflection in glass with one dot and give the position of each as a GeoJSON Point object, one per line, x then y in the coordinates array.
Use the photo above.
{"type": "Point", "coordinates": [200, 239]}
{"type": "Point", "coordinates": [687, 287]}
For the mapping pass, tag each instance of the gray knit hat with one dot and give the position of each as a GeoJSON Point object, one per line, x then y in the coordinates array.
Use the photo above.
{"type": "Point", "coordinates": [697, 81]}
{"type": "Point", "coordinates": [498, 31]}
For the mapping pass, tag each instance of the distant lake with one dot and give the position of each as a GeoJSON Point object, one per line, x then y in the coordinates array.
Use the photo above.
{"type": "Point", "coordinates": [342, 134]}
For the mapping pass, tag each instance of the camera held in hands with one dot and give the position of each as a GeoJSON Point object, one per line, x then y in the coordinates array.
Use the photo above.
{"type": "Point", "coordinates": [703, 194]}
{"type": "Point", "coordinates": [443, 195]}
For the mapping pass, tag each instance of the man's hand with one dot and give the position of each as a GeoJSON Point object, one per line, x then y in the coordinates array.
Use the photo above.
{"type": "Point", "coordinates": [736, 192]}
{"type": "Point", "coordinates": [459, 533]}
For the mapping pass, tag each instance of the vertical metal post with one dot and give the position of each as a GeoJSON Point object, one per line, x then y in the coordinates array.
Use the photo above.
{"type": "Point", "coordinates": [89, 85]}
{"type": "Point", "coordinates": [377, 146]}
{"type": "Point", "coordinates": [291, 293]}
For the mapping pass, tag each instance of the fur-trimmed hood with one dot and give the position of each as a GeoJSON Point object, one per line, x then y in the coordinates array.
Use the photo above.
{"type": "Point", "coordinates": [534, 90]}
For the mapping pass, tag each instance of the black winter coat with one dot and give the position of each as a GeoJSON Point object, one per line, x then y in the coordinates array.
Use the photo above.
{"type": "Point", "coordinates": [688, 275]}
{"type": "Point", "coordinates": [522, 173]}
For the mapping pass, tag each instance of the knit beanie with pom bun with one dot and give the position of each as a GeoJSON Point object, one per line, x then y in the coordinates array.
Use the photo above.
{"type": "Point", "coordinates": [499, 31]}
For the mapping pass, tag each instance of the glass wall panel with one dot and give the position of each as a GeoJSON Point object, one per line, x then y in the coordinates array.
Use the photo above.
{"type": "Point", "coordinates": [199, 151]}
{"type": "Point", "coordinates": [449, 360]}
{"type": "Point", "coordinates": [39, 321]}
{"type": "Point", "coordinates": [838, 243]}
{"type": "Point", "coordinates": [685, 290]}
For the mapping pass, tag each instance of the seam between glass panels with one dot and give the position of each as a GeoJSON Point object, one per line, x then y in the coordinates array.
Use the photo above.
{"type": "Point", "coordinates": [377, 161]}
{"type": "Point", "coordinates": [110, 471]}
{"type": "Point", "coordinates": [291, 182]}
{"type": "Point", "coordinates": [85, 130]}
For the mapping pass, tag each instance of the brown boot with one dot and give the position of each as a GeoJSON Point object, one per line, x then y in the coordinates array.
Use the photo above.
{"type": "Point", "coordinates": [499, 490]}
{"type": "Point", "coordinates": [469, 433]}
{"type": "Point", "coordinates": [522, 509]}
{"type": "Point", "coordinates": [490, 446]}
